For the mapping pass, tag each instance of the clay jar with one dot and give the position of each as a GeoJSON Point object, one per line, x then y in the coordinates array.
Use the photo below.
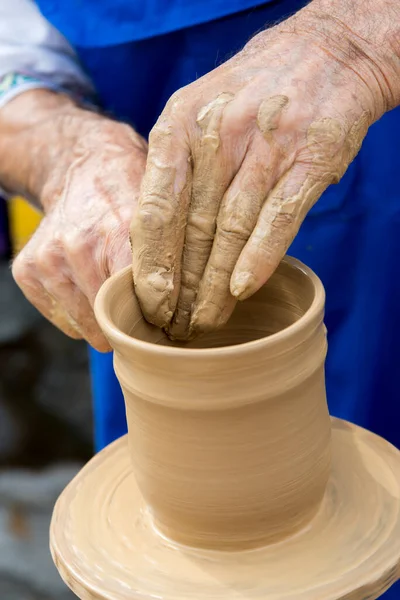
{"type": "Point", "coordinates": [229, 435]}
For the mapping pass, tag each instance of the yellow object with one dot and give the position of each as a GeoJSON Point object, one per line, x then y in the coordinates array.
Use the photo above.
{"type": "Point", "coordinates": [24, 220]}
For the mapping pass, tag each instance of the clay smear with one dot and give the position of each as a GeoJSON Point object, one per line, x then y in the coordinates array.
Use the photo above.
{"type": "Point", "coordinates": [158, 226]}
{"type": "Point", "coordinates": [208, 187]}
{"type": "Point", "coordinates": [269, 114]}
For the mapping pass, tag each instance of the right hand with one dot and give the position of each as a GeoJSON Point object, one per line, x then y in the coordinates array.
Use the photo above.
{"type": "Point", "coordinates": [88, 199]}
{"type": "Point", "coordinates": [239, 157]}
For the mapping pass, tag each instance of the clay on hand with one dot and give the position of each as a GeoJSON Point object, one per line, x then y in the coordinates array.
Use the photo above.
{"type": "Point", "coordinates": [239, 157]}
{"type": "Point", "coordinates": [84, 235]}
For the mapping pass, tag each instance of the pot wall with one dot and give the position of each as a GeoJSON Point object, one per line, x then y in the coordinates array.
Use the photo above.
{"type": "Point", "coordinates": [229, 435]}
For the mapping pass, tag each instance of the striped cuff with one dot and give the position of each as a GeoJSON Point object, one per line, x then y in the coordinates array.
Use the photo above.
{"type": "Point", "coordinates": [13, 84]}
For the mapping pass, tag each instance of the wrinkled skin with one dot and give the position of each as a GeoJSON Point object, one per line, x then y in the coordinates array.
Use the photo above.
{"type": "Point", "coordinates": [83, 238]}
{"type": "Point", "coordinates": [239, 157]}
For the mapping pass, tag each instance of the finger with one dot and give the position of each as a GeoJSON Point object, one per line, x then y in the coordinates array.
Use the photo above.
{"type": "Point", "coordinates": [237, 218]}
{"type": "Point", "coordinates": [24, 274]}
{"type": "Point", "coordinates": [92, 259]}
{"type": "Point", "coordinates": [67, 295]}
{"type": "Point", "coordinates": [158, 225]}
{"type": "Point", "coordinates": [277, 225]}
{"type": "Point", "coordinates": [213, 170]}
{"type": "Point", "coordinates": [228, 130]}
{"type": "Point", "coordinates": [56, 277]}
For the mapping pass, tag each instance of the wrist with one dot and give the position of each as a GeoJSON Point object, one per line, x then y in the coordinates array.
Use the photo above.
{"type": "Point", "coordinates": [363, 35]}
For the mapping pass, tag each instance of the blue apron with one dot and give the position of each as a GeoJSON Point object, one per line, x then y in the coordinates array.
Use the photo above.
{"type": "Point", "coordinates": [137, 58]}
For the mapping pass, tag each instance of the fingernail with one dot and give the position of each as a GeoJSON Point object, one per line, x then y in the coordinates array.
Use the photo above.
{"type": "Point", "coordinates": [242, 285]}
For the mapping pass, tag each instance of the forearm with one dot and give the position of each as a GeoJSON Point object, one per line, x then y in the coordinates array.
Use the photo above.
{"type": "Point", "coordinates": [374, 21]}
{"type": "Point", "coordinates": [35, 58]}
{"type": "Point", "coordinates": [366, 34]}
{"type": "Point", "coordinates": [363, 38]}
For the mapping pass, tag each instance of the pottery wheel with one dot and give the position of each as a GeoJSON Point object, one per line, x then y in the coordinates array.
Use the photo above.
{"type": "Point", "coordinates": [105, 546]}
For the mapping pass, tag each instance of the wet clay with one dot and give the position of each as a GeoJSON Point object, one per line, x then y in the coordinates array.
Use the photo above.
{"type": "Point", "coordinates": [232, 482]}
{"type": "Point", "coordinates": [207, 190]}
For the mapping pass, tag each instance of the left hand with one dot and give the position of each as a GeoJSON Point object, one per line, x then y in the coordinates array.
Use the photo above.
{"type": "Point", "coordinates": [239, 157]}
{"type": "Point", "coordinates": [88, 195]}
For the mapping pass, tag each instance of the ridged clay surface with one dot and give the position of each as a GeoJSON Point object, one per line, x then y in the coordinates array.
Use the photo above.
{"type": "Point", "coordinates": [105, 546]}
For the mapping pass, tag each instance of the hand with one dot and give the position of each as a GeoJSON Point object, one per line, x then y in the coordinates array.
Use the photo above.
{"type": "Point", "coordinates": [239, 157]}
{"type": "Point", "coordinates": [88, 198]}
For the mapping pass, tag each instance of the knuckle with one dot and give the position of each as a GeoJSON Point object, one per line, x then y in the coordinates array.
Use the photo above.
{"type": "Point", "coordinates": [21, 268]}
{"type": "Point", "coordinates": [233, 229]}
{"type": "Point", "coordinates": [283, 221]}
{"type": "Point", "coordinates": [171, 118]}
{"type": "Point", "coordinates": [76, 242]}
{"type": "Point", "coordinates": [238, 126]}
{"type": "Point", "coordinates": [46, 254]}
{"type": "Point", "coordinates": [190, 281]}
{"type": "Point", "coordinates": [164, 134]}
{"type": "Point", "coordinates": [201, 228]}
{"type": "Point", "coordinates": [176, 101]}
{"type": "Point", "coordinates": [279, 218]}
{"type": "Point", "coordinates": [164, 139]}
{"type": "Point", "coordinates": [158, 132]}
{"type": "Point", "coordinates": [232, 126]}
{"type": "Point", "coordinates": [155, 213]}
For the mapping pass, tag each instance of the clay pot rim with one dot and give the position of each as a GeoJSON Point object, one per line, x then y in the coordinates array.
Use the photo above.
{"type": "Point", "coordinates": [118, 337]}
